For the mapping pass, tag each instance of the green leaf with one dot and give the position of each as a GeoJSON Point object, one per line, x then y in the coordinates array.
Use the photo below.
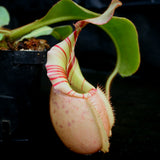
{"type": "Point", "coordinates": [4, 16]}
{"type": "Point", "coordinates": [125, 37]}
{"type": "Point", "coordinates": [1, 36]}
{"type": "Point", "coordinates": [61, 32]}
{"type": "Point", "coordinates": [46, 30]}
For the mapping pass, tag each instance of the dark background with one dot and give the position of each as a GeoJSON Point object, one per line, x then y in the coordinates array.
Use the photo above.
{"type": "Point", "coordinates": [135, 99]}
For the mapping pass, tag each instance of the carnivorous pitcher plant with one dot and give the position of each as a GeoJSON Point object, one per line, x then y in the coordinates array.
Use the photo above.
{"type": "Point", "coordinates": [81, 114]}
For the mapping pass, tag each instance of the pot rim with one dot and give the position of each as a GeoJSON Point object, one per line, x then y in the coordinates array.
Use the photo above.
{"type": "Point", "coordinates": [25, 57]}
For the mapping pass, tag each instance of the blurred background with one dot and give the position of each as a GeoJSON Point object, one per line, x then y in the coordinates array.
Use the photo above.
{"type": "Point", "coordinates": [135, 99]}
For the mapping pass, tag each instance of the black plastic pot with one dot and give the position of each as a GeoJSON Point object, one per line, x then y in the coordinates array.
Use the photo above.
{"type": "Point", "coordinates": [20, 73]}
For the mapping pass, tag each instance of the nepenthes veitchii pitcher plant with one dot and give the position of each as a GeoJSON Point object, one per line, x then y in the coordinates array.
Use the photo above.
{"type": "Point", "coordinates": [81, 114]}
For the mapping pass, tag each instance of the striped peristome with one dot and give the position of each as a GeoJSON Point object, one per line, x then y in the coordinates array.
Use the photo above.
{"type": "Point", "coordinates": [63, 69]}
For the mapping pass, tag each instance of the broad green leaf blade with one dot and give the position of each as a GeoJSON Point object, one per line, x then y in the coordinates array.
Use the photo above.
{"type": "Point", "coordinates": [4, 16]}
{"type": "Point", "coordinates": [125, 37]}
{"type": "Point", "coordinates": [61, 32]}
{"type": "Point", "coordinates": [1, 36]}
{"type": "Point", "coordinates": [46, 30]}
